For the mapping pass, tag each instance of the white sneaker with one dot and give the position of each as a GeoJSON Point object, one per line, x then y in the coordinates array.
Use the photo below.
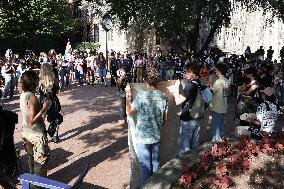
{"type": "Point", "coordinates": [214, 140]}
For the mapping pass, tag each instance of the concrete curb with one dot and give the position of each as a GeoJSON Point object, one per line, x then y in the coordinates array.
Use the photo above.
{"type": "Point", "coordinates": [172, 170]}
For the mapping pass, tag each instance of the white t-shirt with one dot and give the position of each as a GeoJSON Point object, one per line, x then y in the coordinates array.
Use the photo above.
{"type": "Point", "coordinates": [139, 63]}
{"type": "Point", "coordinates": [267, 118]}
{"type": "Point", "coordinates": [90, 61]}
{"type": "Point", "coordinates": [120, 72]}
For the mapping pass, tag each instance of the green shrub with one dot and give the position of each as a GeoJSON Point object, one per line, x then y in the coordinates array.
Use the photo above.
{"type": "Point", "coordinates": [82, 47]}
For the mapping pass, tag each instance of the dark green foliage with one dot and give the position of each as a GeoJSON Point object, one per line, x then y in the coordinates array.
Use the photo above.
{"type": "Point", "coordinates": [82, 47]}
{"type": "Point", "coordinates": [30, 18]}
{"type": "Point", "coordinates": [173, 20]}
{"type": "Point", "coordinates": [179, 20]}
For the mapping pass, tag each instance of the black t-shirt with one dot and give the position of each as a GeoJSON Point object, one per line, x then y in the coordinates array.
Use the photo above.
{"type": "Point", "coordinates": [113, 67]}
{"type": "Point", "coordinates": [190, 90]}
{"type": "Point", "coordinates": [282, 52]}
{"type": "Point", "coordinates": [260, 52]}
{"type": "Point", "coordinates": [270, 53]}
{"type": "Point", "coordinates": [265, 81]}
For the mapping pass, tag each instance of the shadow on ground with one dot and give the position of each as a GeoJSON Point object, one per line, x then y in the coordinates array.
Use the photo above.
{"type": "Point", "coordinates": [95, 122]}
{"type": "Point", "coordinates": [58, 157]}
{"type": "Point", "coordinates": [99, 106]}
{"type": "Point", "coordinates": [74, 169]}
{"type": "Point", "coordinates": [90, 186]}
{"type": "Point", "coordinates": [105, 136]}
{"type": "Point", "coordinates": [103, 100]}
{"type": "Point", "coordinates": [270, 175]}
{"type": "Point", "coordinates": [112, 141]}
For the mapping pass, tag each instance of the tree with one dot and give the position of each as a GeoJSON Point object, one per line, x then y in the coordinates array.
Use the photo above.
{"type": "Point", "coordinates": [179, 20]}
{"type": "Point", "coordinates": [173, 20]}
{"type": "Point", "coordinates": [82, 47]}
{"type": "Point", "coordinates": [276, 7]}
{"type": "Point", "coordinates": [26, 19]}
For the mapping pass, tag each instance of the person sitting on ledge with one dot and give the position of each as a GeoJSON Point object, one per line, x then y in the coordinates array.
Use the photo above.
{"type": "Point", "coordinates": [267, 113]}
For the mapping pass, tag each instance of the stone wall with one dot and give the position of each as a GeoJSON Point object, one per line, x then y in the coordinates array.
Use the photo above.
{"type": "Point", "coordinates": [250, 29]}
{"type": "Point", "coordinates": [117, 40]}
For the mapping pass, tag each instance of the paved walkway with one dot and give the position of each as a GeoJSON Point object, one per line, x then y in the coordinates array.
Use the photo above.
{"type": "Point", "coordinates": [93, 133]}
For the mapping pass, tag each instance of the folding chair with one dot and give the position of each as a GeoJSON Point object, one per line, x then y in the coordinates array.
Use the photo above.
{"type": "Point", "coordinates": [27, 179]}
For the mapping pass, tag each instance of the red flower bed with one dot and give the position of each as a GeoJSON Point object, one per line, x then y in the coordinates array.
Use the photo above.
{"type": "Point", "coordinates": [216, 166]}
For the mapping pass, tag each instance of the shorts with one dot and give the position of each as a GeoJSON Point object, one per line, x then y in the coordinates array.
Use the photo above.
{"type": "Point", "coordinates": [89, 69]}
{"type": "Point", "coordinates": [102, 72]}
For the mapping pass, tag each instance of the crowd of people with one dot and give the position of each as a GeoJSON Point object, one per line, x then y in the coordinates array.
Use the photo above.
{"type": "Point", "coordinates": [255, 81]}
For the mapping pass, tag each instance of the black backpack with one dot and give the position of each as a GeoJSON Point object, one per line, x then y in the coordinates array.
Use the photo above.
{"type": "Point", "coordinates": [53, 112]}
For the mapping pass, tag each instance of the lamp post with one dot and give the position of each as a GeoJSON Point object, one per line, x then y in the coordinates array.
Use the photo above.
{"type": "Point", "coordinates": [107, 25]}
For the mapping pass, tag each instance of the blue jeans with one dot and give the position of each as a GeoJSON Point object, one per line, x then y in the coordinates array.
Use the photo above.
{"type": "Point", "coordinates": [79, 74]}
{"type": "Point", "coordinates": [148, 155]}
{"type": "Point", "coordinates": [168, 78]}
{"type": "Point", "coordinates": [188, 135]}
{"type": "Point", "coordinates": [281, 100]}
{"type": "Point", "coordinates": [163, 73]}
{"type": "Point", "coordinates": [217, 126]}
{"type": "Point", "coordinates": [102, 72]}
{"type": "Point", "coordinates": [9, 86]}
{"type": "Point", "coordinates": [62, 74]}
{"type": "Point", "coordinates": [122, 103]}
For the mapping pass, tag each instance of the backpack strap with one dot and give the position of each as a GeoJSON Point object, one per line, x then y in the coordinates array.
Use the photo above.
{"type": "Point", "coordinates": [186, 106]}
{"type": "Point", "coordinates": [195, 82]}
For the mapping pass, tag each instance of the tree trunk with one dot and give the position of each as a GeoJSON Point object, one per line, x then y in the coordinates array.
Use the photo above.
{"type": "Point", "coordinates": [210, 36]}
{"type": "Point", "coordinates": [192, 36]}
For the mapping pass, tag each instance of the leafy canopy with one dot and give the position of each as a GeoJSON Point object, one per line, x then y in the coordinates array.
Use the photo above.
{"type": "Point", "coordinates": [82, 47]}
{"type": "Point", "coordinates": [276, 7]}
{"type": "Point", "coordinates": [29, 18]}
{"type": "Point", "coordinates": [169, 15]}
{"type": "Point", "coordinates": [177, 17]}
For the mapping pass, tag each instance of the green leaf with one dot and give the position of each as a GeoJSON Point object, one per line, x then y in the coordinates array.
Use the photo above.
{"type": "Point", "coordinates": [29, 18]}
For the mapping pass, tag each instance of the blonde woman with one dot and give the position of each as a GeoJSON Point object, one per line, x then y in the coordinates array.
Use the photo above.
{"type": "Point", "coordinates": [46, 78]}
{"type": "Point", "coordinates": [48, 88]}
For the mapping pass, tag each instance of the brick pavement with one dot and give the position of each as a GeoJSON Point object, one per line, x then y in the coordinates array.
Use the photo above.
{"type": "Point", "coordinates": [93, 133]}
